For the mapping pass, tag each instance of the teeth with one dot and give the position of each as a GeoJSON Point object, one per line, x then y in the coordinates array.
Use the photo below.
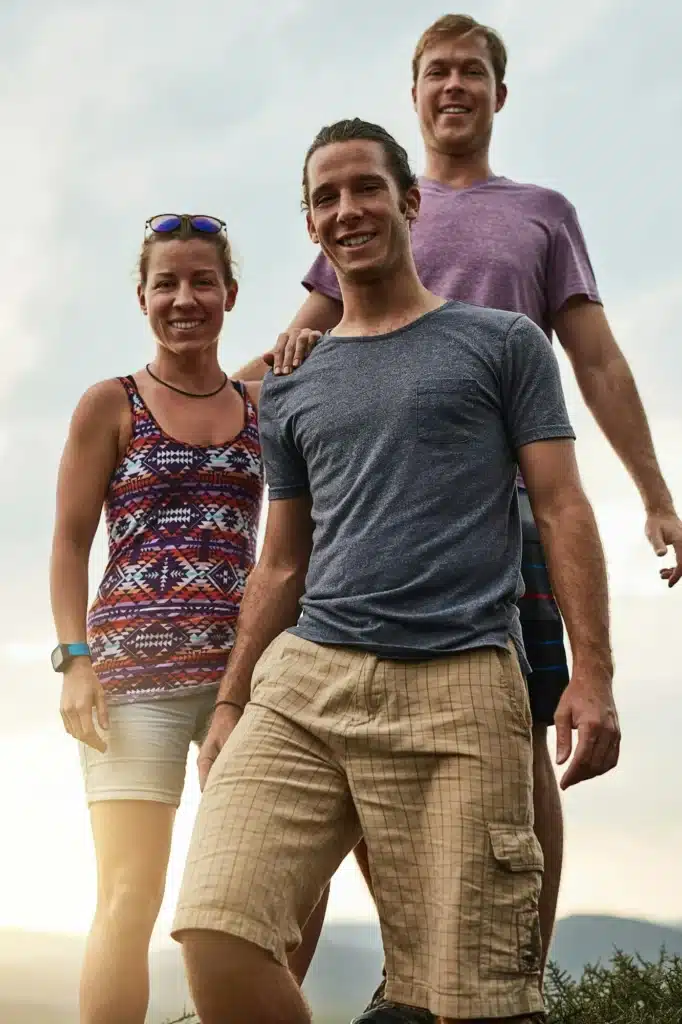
{"type": "Point", "coordinates": [185, 325]}
{"type": "Point", "coordinates": [455, 110]}
{"type": "Point", "coordinates": [356, 240]}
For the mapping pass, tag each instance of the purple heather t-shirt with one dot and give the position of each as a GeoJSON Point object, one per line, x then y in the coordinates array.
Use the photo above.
{"type": "Point", "coordinates": [499, 244]}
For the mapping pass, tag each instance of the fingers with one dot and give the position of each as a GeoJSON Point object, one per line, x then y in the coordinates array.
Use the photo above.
{"type": "Point", "coordinates": [596, 752]}
{"type": "Point", "coordinates": [279, 353]}
{"type": "Point", "coordinates": [305, 343]}
{"type": "Point", "coordinates": [88, 733]}
{"type": "Point", "coordinates": [68, 725]}
{"type": "Point", "coordinates": [204, 764]}
{"type": "Point", "coordinates": [79, 723]}
{"type": "Point", "coordinates": [672, 576]}
{"type": "Point", "coordinates": [663, 533]}
{"type": "Point", "coordinates": [676, 573]}
{"type": "Point", "coordinates": [655, 536]}
{"type": "Point", "coordinates": [292, 348]}
{"type": "Point", "coordinates": [576, 771]}
{"type": "Point", "coordinates": [564, 736]}
{"type": "Point", "coordinates": [102, 710]}
{"type": "Point", "coordinates": [207, 755]}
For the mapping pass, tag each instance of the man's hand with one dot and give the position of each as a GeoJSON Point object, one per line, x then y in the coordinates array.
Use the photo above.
{"type": "Point", "coordinates": [225, 718]}
{"type": "Point", "coordinates": [588, 706]}
{"type": "Point", "coordinates": [293, 348]}
{"type": "Point", "coordinates": [664, 529]}
{"type": "Point", "coordinates": [82, 694]}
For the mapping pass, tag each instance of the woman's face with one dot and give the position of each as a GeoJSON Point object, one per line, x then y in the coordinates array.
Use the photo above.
{"type": "Point", "coordinates": [185, 296]}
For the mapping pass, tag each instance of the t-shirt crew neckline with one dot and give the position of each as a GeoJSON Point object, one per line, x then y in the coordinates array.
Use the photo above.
{"type": "Point", "coordinates": [364, 338]}
{"type": "Point", "coordinates": [443, 185]}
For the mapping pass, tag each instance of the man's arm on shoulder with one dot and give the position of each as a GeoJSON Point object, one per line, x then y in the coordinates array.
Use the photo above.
{"type": "Point", "coordinates": [319, 313]}
{"type": "Point", "coordinates": [570, 538]}
{"type": "Point", "coordinates": [610, 392]}
{"type": "Point", "coordinates": [271, 600]}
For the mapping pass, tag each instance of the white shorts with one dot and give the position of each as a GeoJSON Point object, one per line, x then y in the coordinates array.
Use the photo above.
{"type": "Point", "coordinates": [147, 747]}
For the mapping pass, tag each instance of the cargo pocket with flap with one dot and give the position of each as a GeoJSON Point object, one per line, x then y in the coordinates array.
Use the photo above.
{"type": "Point", "coordinates": [511, 929]}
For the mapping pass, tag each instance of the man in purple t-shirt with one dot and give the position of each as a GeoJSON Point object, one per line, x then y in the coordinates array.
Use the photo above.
{"type": "Point", "coordinates": [491, 241]}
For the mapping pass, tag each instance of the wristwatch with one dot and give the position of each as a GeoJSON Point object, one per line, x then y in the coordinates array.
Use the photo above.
{"type": "Point", "coordinates": [63, 655]}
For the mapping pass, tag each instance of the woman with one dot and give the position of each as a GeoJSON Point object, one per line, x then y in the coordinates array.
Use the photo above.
{"type": "Point", "coordinates": [172, 454]}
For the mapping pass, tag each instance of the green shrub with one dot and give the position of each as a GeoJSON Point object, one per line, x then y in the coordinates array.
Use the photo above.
{"type": "Point", "coordinates": [629, 990]}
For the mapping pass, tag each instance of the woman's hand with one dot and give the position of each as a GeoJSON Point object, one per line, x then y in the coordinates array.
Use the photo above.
{"type": "Point", "coordinates": [82, 694]}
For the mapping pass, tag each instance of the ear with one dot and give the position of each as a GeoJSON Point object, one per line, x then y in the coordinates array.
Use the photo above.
{"type": "Point", "coordinates": [314, 237]}
{"type": "Point", "coordinates": [414, 97]}
{"type": "Point", "coordinates": [141, 299]}
{"type": "Point", "coordinates": [501, 97]}
{"type": "Point", "coordinates": [413, 199]}
{"type": "Point", "coordinates": [231, 296]}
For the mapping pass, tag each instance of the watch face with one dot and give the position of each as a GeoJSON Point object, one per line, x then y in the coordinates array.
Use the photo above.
{"type": "Point", "coordinates": [58, 659]}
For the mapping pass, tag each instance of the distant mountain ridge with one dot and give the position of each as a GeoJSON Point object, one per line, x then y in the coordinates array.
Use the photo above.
{"type": "Point", "coordinates": [39, 973]}
{"type": "Point", "coordinates": [590, 938]}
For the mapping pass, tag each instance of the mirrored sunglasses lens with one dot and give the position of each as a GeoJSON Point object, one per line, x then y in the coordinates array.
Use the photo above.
{"type": "Point", "coordinates": [209, 224]}
{"type": "Point", "coordinates": [165, 222]}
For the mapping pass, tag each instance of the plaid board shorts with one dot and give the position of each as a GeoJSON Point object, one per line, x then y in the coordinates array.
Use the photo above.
{"type": "Point", "coordinates": [543, 630]}
{"type": "Point", "coordinates": [432, 763]}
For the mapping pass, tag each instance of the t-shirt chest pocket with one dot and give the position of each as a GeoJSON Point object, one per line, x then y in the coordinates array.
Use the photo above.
{"type": "Point", "coordinates": [448, 411]}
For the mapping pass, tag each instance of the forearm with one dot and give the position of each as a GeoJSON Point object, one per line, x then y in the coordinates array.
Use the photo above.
{"type": "Point", "coordinates": [255, 370]}
{"type": "Point", "coordinates": [270, 605]}
{"type": "Point", "coordinates": [611, 394]}
{"type": "Point", "coordinates": [69, 591]}
{"type": "Point", "coordinates": [577, 571]}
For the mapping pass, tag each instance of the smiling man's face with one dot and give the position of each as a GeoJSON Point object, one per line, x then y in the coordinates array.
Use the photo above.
{"type": "Point", "coordinates": [356, 210]}
{"type": "Point", "coordinates": [456, 95]}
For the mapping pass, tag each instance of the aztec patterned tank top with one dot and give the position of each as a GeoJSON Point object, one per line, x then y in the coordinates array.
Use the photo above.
{"type": "Point", "coordinates": [182, 522]}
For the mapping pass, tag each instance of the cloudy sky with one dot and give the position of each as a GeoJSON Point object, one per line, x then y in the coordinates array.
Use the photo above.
{"type": "Point", "coordinates": [111, 111]}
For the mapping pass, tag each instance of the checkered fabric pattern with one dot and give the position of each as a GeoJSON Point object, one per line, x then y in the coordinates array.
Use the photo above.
{"type": "Point", "coordinates": [432, 763]}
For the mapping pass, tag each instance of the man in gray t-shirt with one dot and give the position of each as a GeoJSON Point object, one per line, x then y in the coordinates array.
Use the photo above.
{"type": "Point", "coordinates": [375, 686]}
{"type": "Point", "coordinates": [408, 444]}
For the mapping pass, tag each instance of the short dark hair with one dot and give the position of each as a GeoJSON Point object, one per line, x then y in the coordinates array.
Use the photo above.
{"type": "Point", "coordinates": [452, 26]}
{"type": "Point", "coordinates": [352, 130]}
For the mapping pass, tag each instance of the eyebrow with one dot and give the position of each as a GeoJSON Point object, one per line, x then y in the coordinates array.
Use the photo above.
{"type": "Point", "coordinates": [173, 273]}
{"type": "Point", "coordinates": [357, 179]}
{"type": "Point", "coordinates": [446, 62]}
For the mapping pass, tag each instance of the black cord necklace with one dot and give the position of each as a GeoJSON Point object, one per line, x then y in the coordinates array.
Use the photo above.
{"type": "Point", "coordinates": [187, 394]}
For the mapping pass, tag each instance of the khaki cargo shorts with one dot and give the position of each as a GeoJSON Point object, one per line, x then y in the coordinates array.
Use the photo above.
{"type": "Point", "coordinates": [430, 761]}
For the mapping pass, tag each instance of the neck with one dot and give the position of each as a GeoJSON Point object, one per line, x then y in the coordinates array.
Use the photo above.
{"type": "Point", "coordinates": [381, 305]}
{"type": "Point", "coordinates": [192, 371]}
{"type": "Point", "coordinates": [458, 171]}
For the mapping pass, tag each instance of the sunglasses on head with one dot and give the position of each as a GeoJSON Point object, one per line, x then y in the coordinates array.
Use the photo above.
{"type": "Point", "coordinates": [167, 223]}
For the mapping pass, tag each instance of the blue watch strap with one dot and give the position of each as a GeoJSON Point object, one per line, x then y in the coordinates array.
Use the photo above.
{"type": "Point", "coordinates": [78, 650]}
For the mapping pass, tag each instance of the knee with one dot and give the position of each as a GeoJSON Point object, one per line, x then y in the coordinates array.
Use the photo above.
{"type": "Point", "coordinates": [131, 901]}
{"type": "Point", "coordinates": [231, 979]}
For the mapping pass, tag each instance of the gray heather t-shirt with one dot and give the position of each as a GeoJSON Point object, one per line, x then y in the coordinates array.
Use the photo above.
{"type": "Point", "coordinates": [407, 444]}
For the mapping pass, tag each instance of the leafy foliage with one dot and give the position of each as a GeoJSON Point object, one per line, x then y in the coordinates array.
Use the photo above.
{"type": "Point", "coordinates": [628, 991]}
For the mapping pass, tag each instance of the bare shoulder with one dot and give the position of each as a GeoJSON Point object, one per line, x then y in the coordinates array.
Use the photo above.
{"type": "Point", "coordinates": [103, 405]}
